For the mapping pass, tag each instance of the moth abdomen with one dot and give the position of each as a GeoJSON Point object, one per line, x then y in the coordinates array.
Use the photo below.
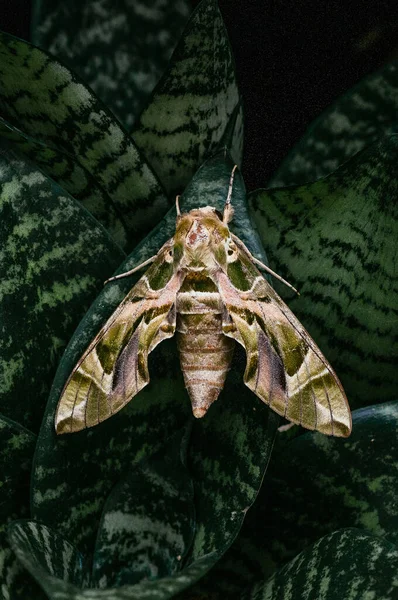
{"type": "Point", "coordinates": [205, 352]}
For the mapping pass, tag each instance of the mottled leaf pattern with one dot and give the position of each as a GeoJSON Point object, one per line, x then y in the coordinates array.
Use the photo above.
{"type": "Point", "coordinates": [17, 445]}
{"type": "Point", "coordinates": [311, 488]}
{"type": "Point", "coordinates": [335, 241]}
{"type": "Point", "coordinates": [54, 258]}
{"type": "Point", "coordinates": [73, 177]}
{"type": "Point", "coordinates": [347, 564]}
{"type": "Point", "coordinates": [232, 139]}
{"type": "Point", "coordinates": [45, 554]}
{"type": "Point", "coordinates": [316, 485]}
{"type": "Point", "coordinates": [148, 521]}
{"type": "Point", "coordinates": [238, 429]}
{"type": "Point", "coordinates": [192, 104]}
{"type": "Point", "coordinates": [64, 499]}
{"type": "Point", "coordinates": [60, 569]}
{"type": "Point", "coordinates": [119, 48]}
{"type": "Point", "coordinates": [48, 102]}
{"type": "Point", "coordinates": [352, 122]}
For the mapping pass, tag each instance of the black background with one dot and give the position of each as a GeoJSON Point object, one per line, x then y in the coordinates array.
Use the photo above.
{"type": "Point", "coordinates": [293, 58]}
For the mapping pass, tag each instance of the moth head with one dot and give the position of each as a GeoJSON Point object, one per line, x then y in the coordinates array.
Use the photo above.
{"type": "Point", "coordinates": [198, 235]}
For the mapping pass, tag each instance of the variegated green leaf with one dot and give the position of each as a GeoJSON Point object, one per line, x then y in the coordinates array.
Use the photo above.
{"type": "Point", "coordinates": [45, 100]}
{"type": "Point", "coordinates": [191, 106]}
{"type": "Point", "coordinates": [73, 177]}
{"type": "Point", "coordinates": [46, 555]}
{"type": "Point", "coordinates": [229, 451]}
{"type": "Point", "coordinates": [232, 139]}
{"type": "Point", "coordinates": [355, 120]}
{"type": "Point", "coordinates": [238, 429]}
{"type": "Point", "coordinates": [119, 48]}
{"type": "Point", "coordinates": [148, 520]}
{"type": "Point", "coordinates": [318, 484]}
{"type": "Point", "coordinates": [314, 485]}
{"type": "Point", "coordinates": [335, 240]}
{"type": "Point", "coordinates": [17, 446]}
{"type": "Point", "coordinates": [347, 564]}
{"type": "Point", "coordinates": [54, 258]}
{"type": "Point", "coordinates": [59, 569]}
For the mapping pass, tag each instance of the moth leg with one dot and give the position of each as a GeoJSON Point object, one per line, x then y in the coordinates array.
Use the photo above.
{"type": "Point", "coordinates": [262, 265]}
{"type": "Point", "coordinates": [127, 273]}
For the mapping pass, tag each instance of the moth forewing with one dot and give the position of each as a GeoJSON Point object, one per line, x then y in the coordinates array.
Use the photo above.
{"type": "Point", "coordinates": [114, 368]}
{"type": "Point", "coordinates": [203, 285]}
{"type": "Point", "coordinates": [285, 368]}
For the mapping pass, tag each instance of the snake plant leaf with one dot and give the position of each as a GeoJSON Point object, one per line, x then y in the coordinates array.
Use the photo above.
{"type": "Point", "coordinates": [73, 177]}
{"type": "Point", "coordinates": [348, 564]}
{"type": "Point", "coordinates": [17, 445]}
{"type": "Point", "coordinates": [317, 485]}
{"type": "Point", "coordinates": [120, 49]}
{"type": "Point", "coordinates": [232, 139]}
{"type": "Point", "coordinates": [230, 460]}
{"type": "Point", "coordinates": [47, 556]}
{"type": "Point", "coordinates": [59, 568]}
{"type": "Point", "coordinates": [53, 259]}
{"type": "Point", "coordinates": [148, 520]}
{"type": "Point", "coordinates": [335, 241]}
{"type": "Point", "coordinates": [49, 103]}
{"type": "Point", "coordinates": [355, 120]}
{"type": "Point", "coordinates": [230, 447]}
{"type": "Point", "coordinates": [191, 106]}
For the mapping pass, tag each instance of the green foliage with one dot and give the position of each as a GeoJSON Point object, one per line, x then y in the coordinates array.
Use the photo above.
{"type": "Point", "coordinates": [47, 102]}
{"type": "Point", "coordinates": [190, 108]}
{"type": "Point", "coordinates": [346, 564]}
{"type": "Point", "coordinates": [335, 241]}
{"type": "Point", "coordinates": [148, 522]}
{"type": "Point", "coordinates": [357, 119]}
{"type": "Point", "coordinates": [123, 46]}
{"type": "Point", "coordinates": [54, 257]}
{"type": "Point", "coordinates": [16, 452]}
{"type": "Point", "coordinates": [153, 504]}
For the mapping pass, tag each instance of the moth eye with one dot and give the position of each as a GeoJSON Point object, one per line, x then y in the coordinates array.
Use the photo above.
{"type": "Point", "coordinates": [169, 255]}
{"type": "Point", "coordinates": [231, 250]}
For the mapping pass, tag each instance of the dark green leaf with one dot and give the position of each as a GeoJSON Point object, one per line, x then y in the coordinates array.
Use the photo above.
{"type": "Point", "coordinates": [353, 121]}
{"type": "Point", "coordinates": [232, 139]}
{"type": "Point", "coordinates": [47, 102]}
{"type": "Point", "coordinates": [347, 564]}
{"type": "Point", "coordinates": [48, 557]}
{"type": "Point", "coordinates": [59, 568]}
{"type": "Point", "coordinates": [73, 177]}
{"type": "Point", "coordinates": [54, 258]}
{"type": "Point", "coordinates": [119, 48]}
{"type": "Point", "coordinates": [319, 484]}
{"type": "Point", "coordinates": [335, 241]}
{"type": "Point", "coordinates": [191, 106]}
{"type": "Point", "coordinates": [148, 521]}
{"type": "Point", "coordinates": [230, 447]}
{"type": "Point", "coordinates": [16, 453]}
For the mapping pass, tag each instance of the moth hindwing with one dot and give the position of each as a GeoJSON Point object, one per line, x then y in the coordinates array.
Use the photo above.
{"type": "Point", "coordinates": [204, 286]}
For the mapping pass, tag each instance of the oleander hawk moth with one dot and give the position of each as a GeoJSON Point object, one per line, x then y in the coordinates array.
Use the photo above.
{"type": "Point", "coordinates": [204, 286]}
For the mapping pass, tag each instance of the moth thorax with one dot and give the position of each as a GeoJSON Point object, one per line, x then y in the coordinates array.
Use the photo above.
{"type": "Point", "coordinates": [205, 352]}
{"type": "Point", "coordinates": [197, 235]}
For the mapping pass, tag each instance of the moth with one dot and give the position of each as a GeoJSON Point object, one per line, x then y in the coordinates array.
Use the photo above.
{"type": "Point", "coordinates": [205, 287]}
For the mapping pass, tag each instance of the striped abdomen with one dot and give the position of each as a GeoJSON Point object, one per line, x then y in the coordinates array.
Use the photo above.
{"type": "Point", "coordinates": [205, 352]}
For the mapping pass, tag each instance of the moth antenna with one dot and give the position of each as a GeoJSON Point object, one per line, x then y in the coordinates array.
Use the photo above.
{"type": "Point", "coordinates": [178, 206]}
{"type": "Point", "coordinates": [228, 210]}
{"type": "Point", "coordinates": [262, 265]}
{"type": "Point", "coordinates": [127, 273]}
{"type": "Point", "coordinates": [271, 272]}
